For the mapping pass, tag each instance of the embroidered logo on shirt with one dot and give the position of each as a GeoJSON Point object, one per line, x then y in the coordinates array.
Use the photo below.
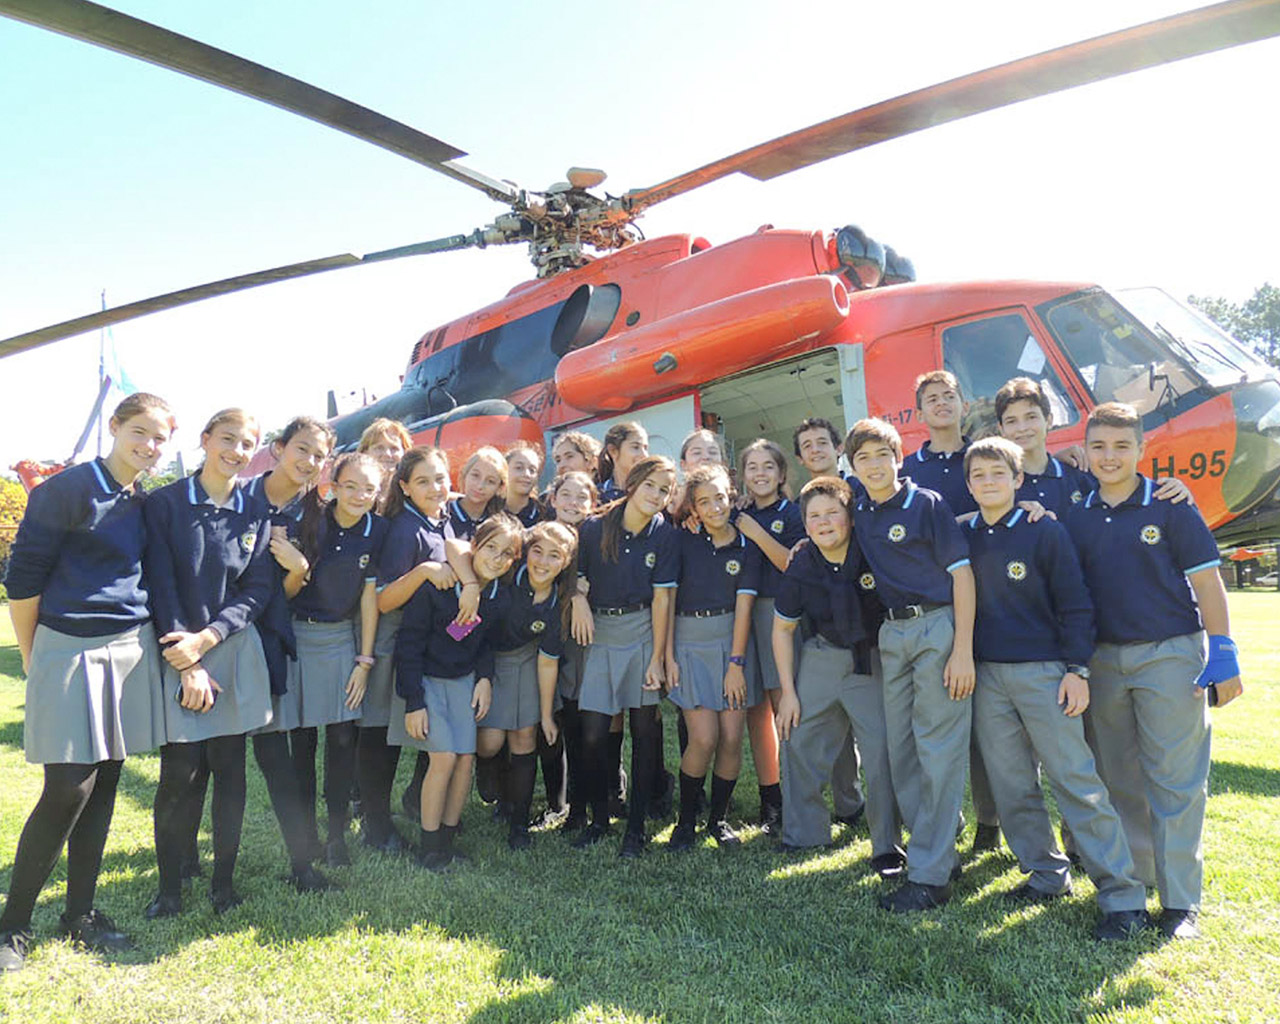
{"type": "Point", "coordinates": [248, 539]}
{"type": "Point", "coordinates": [897, 533]}
{"type": "Point", "coordinates": [777, 526]}
{"type": "Point", "coordinates": [867, 581]}
{"type": "Point", "coordinates": [1016, 571]}
{"type": "Point", "coordinates": [1150, 534]}
{"type": "Point", "coordinates": [364, 561]}
{"type": "Point", "coordinates": [1076, 497]}
{"type": "Point", "coordinates": [733, 567]}
{"type": "Point", "coordinates": [651, 559]}
{"type": "Point", "coordinates": [537, 626]}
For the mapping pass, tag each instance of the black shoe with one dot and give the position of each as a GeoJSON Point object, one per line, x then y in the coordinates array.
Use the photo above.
{"type": "Point", "coordinates": [788, 849]}
{"type": "Point", "coordinates": [851, 820]}
{"type": "Point", "coordinates": [519, 839]}
{"type": "Point", "coordinates": [987, 837]}
{"type": "Point", "coordinates": [163, 906]}
{"type": "Point", "coordinates": [633, 844]}
{"type": "Point", "coordinates": [436, 861]}
{"type": "Point", "coordinates": [683, 836]}
{"type": "Point", "coordinates": [771, 819]}
{"type": "Point", "coordinates": [1027, 893]}
{"type": "Point", "coordinates": [14, 947]}
{"type": "Point", "coordinates": [889, 865]}
{"type": "Point", "coordinates": [723, 834]}
{"type": "Point", "coordinates": [95, 931]}
{"type": "Point", "coordinates": [1121, 925]}
{"type": "Point", "coordinates": [591, 835]}
{"type": "Point", "coordinates": [412, 808]}
{"type": "Point", "coordinates": [309, 879]}
{"type": "Point", "coordinates": [574, 821]}
{"type": "Point", "coordinates": [392, 842]}
{"type": "Point", "coordinates": [335, 853]}
{"type": "Point", "coordinates": [1178, 924]}
{"type": "Point", "coordinates": [915, 896]}
{"type": "Point", "coordinates": [661, 803]}
{"type": "Point", "coordinates": [224, 900]}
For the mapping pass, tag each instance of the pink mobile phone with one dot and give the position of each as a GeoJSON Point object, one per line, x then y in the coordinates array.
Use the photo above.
{"type": "Point", "coordinates": [459, 632]}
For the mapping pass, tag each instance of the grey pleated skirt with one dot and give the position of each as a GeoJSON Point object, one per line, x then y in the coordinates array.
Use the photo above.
{"type": "Point", "coordinates": [318, 679]}
{"type": "Point", "coordinates": [93, 698]}
{"type": "Point", "coordinates": [375, 711]}
{"type": "Point", "coordinates": [613, 675]}
{"type": "Point", "coordinates": [702, 649]}
{"type": "Point", "coordinates": [451, 721]}
{"type": "Point", "coordinates": [515, 702]}
{"type": "Point", "coordinates": [240, 668]}
{"type": "Point", "coordinates": [762, 641]}
{"type": "Point", "coordinates": [572, 661]}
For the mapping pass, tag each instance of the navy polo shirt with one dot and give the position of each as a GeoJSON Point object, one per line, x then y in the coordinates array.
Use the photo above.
{"type": "Point", "coordinates": [646, 560]}
{"type": "Point", "coordinates": [423, 645]}
{"type": "Point", "coordinates": [464, 527]}
{"type": "Point", "coordinates": [831, 596]}
{"type": "Point", "coordinates": [912, 544]}
{"type": "Point", "coordinates": [79, 549]}
{"type": "Point", "coordinates": [783, 522]}
{"type": "Point", "coordinates": [611, 492]}
{"type": "Point", "coordinates": [1136, 558]}
{"type": "Point", "coordinates": [281, 515]}
{"type": "Point", "coordinates": [411, 538]}
{"type": "Point", "coordinates": [1058, 488]}
{"type": "Point", "coordinates": [1033, 604]}
{"type": "Point", "coordinates": [347, 559]}
{"type": "Point", "coordinates": [206, 565]}
{"type": "Point", "coordinates": [712, 577]}
{"type": "Point", "coordinates": [855, 485]}
{"type": "Point", "coordinates": [942, 472]}
{"type": "Point", "coordinates": [532, 513]}
{"type": "Point", "coordinates": [527, 620]}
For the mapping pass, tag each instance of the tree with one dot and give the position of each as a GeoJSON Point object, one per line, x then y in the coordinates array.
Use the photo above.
{"type": "Point", "coordinates": [13, 503]}
{"type": "Point", "coordinates": [1256, 322]}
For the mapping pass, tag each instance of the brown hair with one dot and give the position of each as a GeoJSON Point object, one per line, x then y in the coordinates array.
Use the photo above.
{"type": "Point", "coordinates": [306, 423]}
{"type": "Point", "coordinates": [825, 486]}
{"type": "Point", "coordinates": [1115, 414]}
{"type": "Point", "coordinates": [945, 377]}
{"type": "Point", "coordinates": [566, 584]}
{"type": "Point", "coordinates": [314, 510]}
{"type": "Point", "coordinates": [574, 474]}
{"type": "Point", "coordinates": [1022, 389]}
{"type": "Point", "coordinates": [494, 459]}
{"type": "Point", "coordinates": [503, 523]}
{"type": "Point", "coordinates": [523, 446]}
{"type": "Point", "coordinates": [774, 451]}
{"type": "Point", "coordinates": [384, 427]}
{"type": "Point", "coordinates": [232, 414]}
{"type": "Point", "coordinates": [814, 423]}
{"type": "Point", "coordinates": [588, 447]}
{"type": "Point", "coordinates": [611, 531]}
{"type": "Point", "coordinates": [697, 477]}
{"type": "Point", "coordinates": [140, 402]}
{"type": "Point", "coordinates": [617, 436]}
{"type": "Point", "coordinates": [868, 430]}
{"type": "Point", "coordinates": [409, 461]}
{"type": "Point", "coordinates": [701, 434]}
{"type": "Point", "coordinates": [994, 449]}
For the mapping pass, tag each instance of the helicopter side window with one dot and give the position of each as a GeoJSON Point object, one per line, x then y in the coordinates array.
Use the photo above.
{"type": "Point", "coordinates": [1118, 358]}
{"type": "Point", "coordinates": [984, 354]}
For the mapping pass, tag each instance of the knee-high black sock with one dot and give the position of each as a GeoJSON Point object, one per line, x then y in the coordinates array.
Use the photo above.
{"type": "Point", "coordinates": [690, 789]}
{"type": "Point", "coordinates": [659, 770]}
{"type": "Point", "coordinates": [181, 764]}
{"type": "Point", "coordinates": [489, 775]}
{"type": "Point", "coordinates": [616, 779]}
{"type": "Point", "coordinates": [571, 731]}
{"type": "Point", "coordinates": [412, 796]}
{"type": "Point", "coordinates": [226, 765]}
{"type": "Point", "coordinates": [644, 748]}
{"type": "Point", "coordinates": [721, 791]}
{"type": "Point", "coordinates": [520, 776]}
{"type": "Point", "coordinates": [596, 744]}
{"type": "Point", "coordinates": [682, 733]}
{"type": "Point", "coordinates": [554, 772]}
{"type": "Point", "coordinates": [271, 751]}
{"type": "Point", "coordinates": [302, 754]}
{"type": "Point", "coordinates": [89, 838]}
{"type": "Point", "coordinates": [771, 796]}
{"type": "Point", "coordinates": [194, 812]}
{"type": "Point", "coordinates": [339, 769]}
{"type": "Point", "coordinates": [67, 789]}
{"type": "Point", "coordinates": [373, 759]}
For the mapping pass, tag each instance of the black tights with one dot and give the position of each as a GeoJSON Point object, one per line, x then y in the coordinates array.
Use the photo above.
{"type": "Point", "coordinates": [571, 737]}
{"type": "Point", "coordinates": [339, 771]}
{"type": "Point", "coordinates": [376, 765]}
{"type": "Point", "coordinates": [644, 756]}
{"type": "Point", "coordinates": [271, 751]}
{"type": "Point", "coordinates": [554, 772]}
{"type": "Point", "coordinates": [179, 797]}
{"type": "Point", "coordinates": [73, 810]}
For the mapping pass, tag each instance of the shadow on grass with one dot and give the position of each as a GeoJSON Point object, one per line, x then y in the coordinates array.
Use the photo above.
{"type": "Point", "coordinates": [1248, 779]}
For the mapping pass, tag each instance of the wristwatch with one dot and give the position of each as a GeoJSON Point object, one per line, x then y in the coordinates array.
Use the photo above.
{"type": "Point", "coordinates": [1079, 670]}
{"type": "Point", "coordinates": [738, 659]}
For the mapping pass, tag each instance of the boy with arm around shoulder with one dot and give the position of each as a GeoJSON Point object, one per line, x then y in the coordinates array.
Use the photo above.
{"type": "Point", "coordinates": [1152, 571]}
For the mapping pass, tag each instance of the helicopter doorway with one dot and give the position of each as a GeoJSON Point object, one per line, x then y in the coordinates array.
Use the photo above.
{"type": "Point", "coordinates": [771, 401]}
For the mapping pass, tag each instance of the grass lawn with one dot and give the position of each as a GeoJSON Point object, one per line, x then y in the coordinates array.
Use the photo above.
{"type": "Point", "coordinates": [556, 934]}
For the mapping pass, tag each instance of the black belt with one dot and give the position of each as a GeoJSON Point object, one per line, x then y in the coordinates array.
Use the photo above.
{"type": "Point", "coordinates": [911, 611]}
{"type": "Point", "coordinates": [626, 609]}
{"type": "Point", "coordinates": [706, 613]}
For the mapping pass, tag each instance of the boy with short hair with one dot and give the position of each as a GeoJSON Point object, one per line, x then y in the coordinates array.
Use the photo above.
{"type": "Point", "coordinates": [1152, 571]}
{"type": "Point", "coordinates": [836, 691]}
{"type": "Point", "coordinates": [817, 446]}
{"type": "Point", "coordinates": [1033, 638]}
{"type": "Point", "coordinates": [921, 565]}
{"type": "Point", "coordinates": [1024, 415]}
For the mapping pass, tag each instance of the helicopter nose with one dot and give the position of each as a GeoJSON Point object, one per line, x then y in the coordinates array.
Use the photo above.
{"type": "Point", "coordinates": [1255, 467]}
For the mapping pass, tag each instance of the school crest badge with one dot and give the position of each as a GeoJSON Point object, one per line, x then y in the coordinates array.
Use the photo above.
{"type": "Point", "coordinates": [650, 560]}
{"type": "Point", "coordinates": [1076, 497]}
{"type": "Point", "coordinates": [733, 567]}
{"type": "Point", "coordinates": [1016, 571]}
{"type": "Point", "coordinates": [867, 581]}
{"type": "Point", "coordinates": [537, 626]}
{"type": "Point", "coordinates": [248, 539]}
{"type": "Point", "coordinates": [364, 560]}
{"type": "Point", "coordinates": [776, 526]}
{"type": "Point", "coordinates": [1150, 534]}
{"type": "Point", "coordinates": [897, 533]}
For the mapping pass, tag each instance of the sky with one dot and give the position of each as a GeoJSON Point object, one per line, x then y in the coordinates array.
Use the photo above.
{"type": "Point", "coordinates": [119, 176]}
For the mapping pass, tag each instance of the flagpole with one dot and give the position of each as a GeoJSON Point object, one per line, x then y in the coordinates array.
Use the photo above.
{"type": "Point", "coordinates": [102, 370]}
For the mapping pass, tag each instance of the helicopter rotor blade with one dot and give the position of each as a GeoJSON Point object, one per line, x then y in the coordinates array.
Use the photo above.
{"type": "Point", "coordinates": [158, 303]}
{"type": "Point", "coordinates": [1092, 60]}
{"type": "Point", "coordinates": [113, 30]}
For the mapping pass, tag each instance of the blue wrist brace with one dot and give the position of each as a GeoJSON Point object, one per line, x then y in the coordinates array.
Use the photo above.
{"type": "Point", "coordinates": [1223, 663]}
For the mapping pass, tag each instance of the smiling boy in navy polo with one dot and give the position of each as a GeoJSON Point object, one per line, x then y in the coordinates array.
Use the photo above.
{"type": "Point", "coordinates": [921, 564]}
{"type": "Point", "coordinates": [1033, 638]}
{"type": "Point", "coordinates": [1152, 571]}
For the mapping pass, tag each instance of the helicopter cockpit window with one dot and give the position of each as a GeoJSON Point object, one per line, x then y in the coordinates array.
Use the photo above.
{"type": "Point", "coordinates": [1119, 359]}
{"type": "Point", "coordinates": [983, 354]}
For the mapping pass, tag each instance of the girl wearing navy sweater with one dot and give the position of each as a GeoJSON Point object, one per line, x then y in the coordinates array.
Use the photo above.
{"type": "Point", "coordinates": [444, 674]}
{"type": "Point", "coordinates": [80, 616]}
{"type": "Point", "coordinates": [210, 574]}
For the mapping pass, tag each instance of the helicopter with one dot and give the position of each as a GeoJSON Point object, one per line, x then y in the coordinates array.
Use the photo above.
{"type": "Point", "coordinates": [751, 335]}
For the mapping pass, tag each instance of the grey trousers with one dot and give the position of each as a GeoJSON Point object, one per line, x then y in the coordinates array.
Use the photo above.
{"type": "Point", "coordinates": [1017, 718]}
{"type": "Point", "coordinates": [928, 739]}
{"type": "Point", "coordinates": [835, 703]}
{"type": "Point", "coordinates": [984, 800]}
{"type": "Point", "coordinates": [1148, 726]}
